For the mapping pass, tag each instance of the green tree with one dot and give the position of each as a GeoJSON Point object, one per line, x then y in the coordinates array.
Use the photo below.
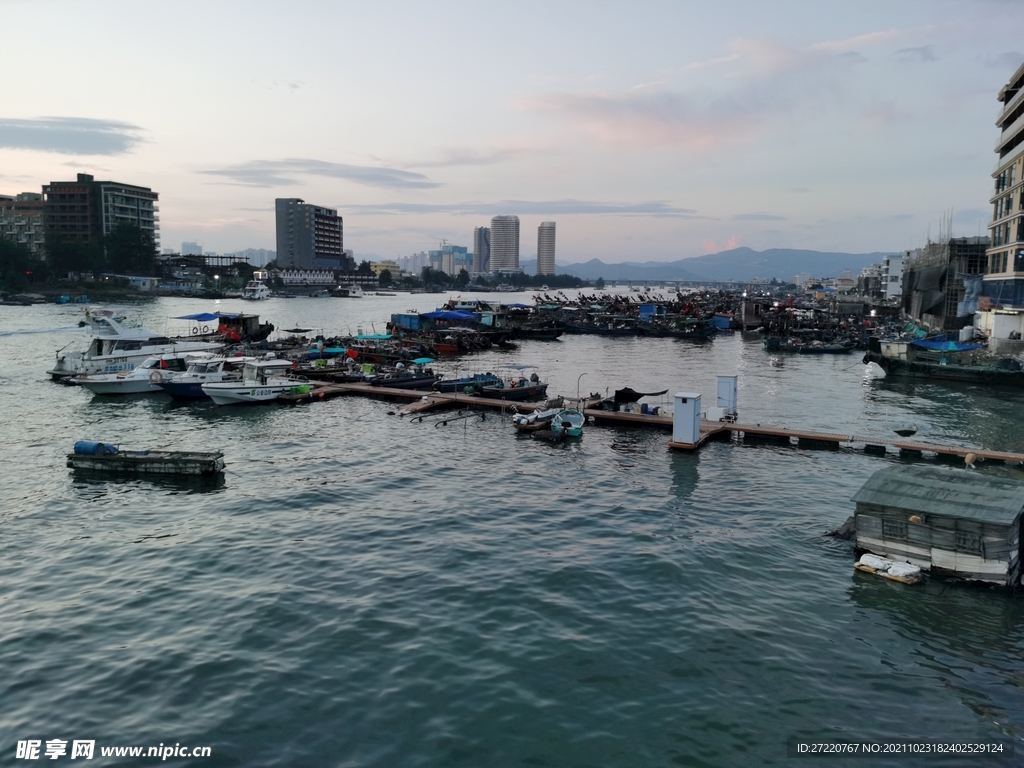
{"type": "Point", "coordinates": [365, 268]}
{"type": "Point", "coordinates": [16, 265]}
{"type": "Point", "coordinates": [72, 256]}
{"type": "Point", "coordinates": [384, 278]}
{"type": "Point", "coordinates": [130, 250]}
{"type": "Point", "coordinates": [463, 278]}
{"type": "Point", "coordinates": [599, 283]}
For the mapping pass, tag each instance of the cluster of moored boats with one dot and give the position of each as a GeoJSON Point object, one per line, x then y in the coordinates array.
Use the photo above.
{"type": "Point", "coordinates": [125, 358]}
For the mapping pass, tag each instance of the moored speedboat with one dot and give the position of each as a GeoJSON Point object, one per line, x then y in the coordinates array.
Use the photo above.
{"type": "Point", "coordinates": [261, 382]}
{"type": "Point", "coordinates": [142, 379]}
{"type": "Point", "coordinates": [189, 385]}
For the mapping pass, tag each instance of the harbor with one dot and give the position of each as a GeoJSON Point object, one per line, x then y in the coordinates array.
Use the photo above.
{"type": "Point", "coordinates": [730, 533]}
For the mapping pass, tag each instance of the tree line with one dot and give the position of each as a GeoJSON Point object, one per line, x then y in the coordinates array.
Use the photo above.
{"type": "Point", "coordinates": [127, 249]}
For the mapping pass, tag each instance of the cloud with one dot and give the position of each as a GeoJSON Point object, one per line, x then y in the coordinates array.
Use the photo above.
{"type": "Point", "coordinates": [566, 207]}
{"type": "Point", "coordinates": [757, 217]}
{"type": "Point", "coordinates": [769, 82]}
{"type": "Point", "coordinates": [282, 173]}
{"type": "Point", "coordinates": [69, 135]}
{"type": "Point", "coordinates": [710, 246]}
{"type": "Point", "coordinates": [456, 156]}
{"type": "Point", "coordinates": [920, 55]}
{"type": "Point", "coordinates": [1008, 61]}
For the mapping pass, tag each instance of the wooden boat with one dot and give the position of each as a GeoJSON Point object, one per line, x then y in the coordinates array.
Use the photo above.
{"type": "Point", "coordinates": [106, 457]}
{"type": "Point", "coordinates": [531, 422]}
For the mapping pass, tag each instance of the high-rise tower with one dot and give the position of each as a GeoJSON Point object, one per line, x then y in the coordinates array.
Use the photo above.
{"type": "Point", "coordinates": [505, 244]}
{"type": "Point", "coordinates": [481, 250]}
{"type": "Point", "coordinates": [546, 248]}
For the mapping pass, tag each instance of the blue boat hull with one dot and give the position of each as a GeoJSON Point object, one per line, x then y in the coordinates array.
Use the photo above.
{"type": "Point", "coordinates": [184, 391]}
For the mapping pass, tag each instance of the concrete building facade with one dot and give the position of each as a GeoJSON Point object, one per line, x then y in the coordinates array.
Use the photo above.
{"type": "Point", "coordinates": [22, 221]}
{"type": "Point", "coordinates": [1003, 284]}
{"type": "Point", "coordinates": [86, 210]}
{"type": "Point", "coordinates": [481, 250]}
{"type": "Point", "coordinates": [546, 248]}
{"type": "Point", "coordinates": [504, 244]}
{"type": "Point", "coordinates": [892, 273]}
{"type": "Point", "coordinates": [308, 236]}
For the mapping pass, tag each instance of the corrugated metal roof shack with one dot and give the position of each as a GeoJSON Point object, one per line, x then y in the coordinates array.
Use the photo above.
{"type": "Point", "coordinates": [963, 523]}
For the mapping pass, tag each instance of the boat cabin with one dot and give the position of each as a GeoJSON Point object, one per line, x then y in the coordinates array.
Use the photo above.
{"type": "Point", "coordinates": [953, 521]}
{"type": "Point", "coordinates": [260, 371]}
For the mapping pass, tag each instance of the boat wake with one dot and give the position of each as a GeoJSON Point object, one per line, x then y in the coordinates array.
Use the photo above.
{"type": "Point", "coordinates": [26, 331]}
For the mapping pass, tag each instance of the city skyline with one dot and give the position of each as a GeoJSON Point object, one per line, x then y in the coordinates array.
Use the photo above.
{"type": "Point", "coordinates": [652, 132]}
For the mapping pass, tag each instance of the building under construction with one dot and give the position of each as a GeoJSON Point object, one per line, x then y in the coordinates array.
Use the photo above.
{"type": "Point", "coordinates": [941, 285]}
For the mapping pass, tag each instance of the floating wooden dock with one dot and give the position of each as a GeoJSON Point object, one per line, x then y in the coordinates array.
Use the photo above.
{"type": "Point", "coordinates": [834, 440]}
{"type": "Point", "coordinates": [709, 430]}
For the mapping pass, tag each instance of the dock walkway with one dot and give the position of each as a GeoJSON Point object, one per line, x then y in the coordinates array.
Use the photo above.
{"type": "Point", "coordinates": [419, 401]}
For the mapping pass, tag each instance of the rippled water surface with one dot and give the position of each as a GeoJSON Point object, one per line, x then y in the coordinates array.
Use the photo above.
{"type": "Point", "coordinates": [362, 590]}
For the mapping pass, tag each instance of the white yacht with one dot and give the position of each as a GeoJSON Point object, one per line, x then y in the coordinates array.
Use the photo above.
{"type": "Point", "coordinates": [257, 288]}
{"type": "Point", "coordinates": [261, 382]}
{"type": "Point", "coordinates": [119, 344]}
{"type": "Point", "coordinates": [349, 292]}
{"type": "Point", "coordinates": [139, 380]}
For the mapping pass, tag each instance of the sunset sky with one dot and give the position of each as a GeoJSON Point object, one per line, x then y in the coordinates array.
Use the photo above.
{"type": "Point", "coordinates": [647, 131]}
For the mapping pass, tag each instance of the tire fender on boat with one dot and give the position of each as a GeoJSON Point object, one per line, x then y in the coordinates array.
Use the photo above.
{"type": "Point", "coordinates": [195, 330]}
{"type": "Point", "coordinates": [155, 377]}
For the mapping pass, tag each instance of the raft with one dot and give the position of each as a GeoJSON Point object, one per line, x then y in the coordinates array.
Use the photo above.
{"type": "Point", "coordinates": [105, 457]}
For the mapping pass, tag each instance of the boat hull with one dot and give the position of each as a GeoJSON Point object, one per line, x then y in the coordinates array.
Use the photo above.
{"type": "Point", "coordinates": [233, 394]}
{"type": "Point", "coordinates": [112, 385]}
{"type": "Point", "coordinates": [515, 393]}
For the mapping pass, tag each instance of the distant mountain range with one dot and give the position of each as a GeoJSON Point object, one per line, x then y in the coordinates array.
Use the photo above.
{"type": "Point", "coordinates": [738, 264]}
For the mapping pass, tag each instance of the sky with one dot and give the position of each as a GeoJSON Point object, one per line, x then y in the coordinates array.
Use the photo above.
{"type": "Point", "coordinates": [649, 131]}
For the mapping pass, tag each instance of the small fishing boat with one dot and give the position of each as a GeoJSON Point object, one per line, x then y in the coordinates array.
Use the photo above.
{"type": "Point", "coordinates": [466, 383]}
{"type": "Point", "coordinates": [416, 377]}
{"type": "Point", "coordinates": [539, 419]}
{"type": "Point", "coordinates": [106, 457]}
{"type": "Point", "coordinates": [517, 386]}
{"type": "Point", "coordinates": [569, 421]}
{"type": "Point", "coordinates": [261, 382]}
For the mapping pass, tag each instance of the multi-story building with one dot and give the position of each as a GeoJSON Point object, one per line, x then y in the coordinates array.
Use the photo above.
{"type": "Point", "coordinates": [388, 264]}
{"type": "Point", "coordinates": [938, 283]}
{"type": "Point", "coordinates": [21, 221]}
{"type": "Point", "coordinates": [504, 244]}
{"type": "Point", "coordinates": [546, 248]}
{"type": "Point", "coordinates": [191, 249]}
{"type": "Point", "coordinates": [308, 236]}
{"type": "Point", "coordinates": [1003, 284]}
{"type": "Point", "coordinates": [86, 210]}
{"type": "Point", "coordinates": [451, 259]}
{"type": "Point", "coordinates": [892, 273]}
{"type": "Point", "coordinates": [481, 250]}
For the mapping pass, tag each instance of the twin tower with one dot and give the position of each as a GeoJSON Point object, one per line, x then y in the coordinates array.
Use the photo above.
{"type": "Point", "coordinates": [496, 249]}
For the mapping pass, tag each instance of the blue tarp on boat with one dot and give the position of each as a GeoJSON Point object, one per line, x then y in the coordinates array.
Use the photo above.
{"type": "Point", "coordinates": [451, 314]}
{"type": "Point", "coordinates": [945, 346]}
{"type": "Point", "coordinates": [206, 317]}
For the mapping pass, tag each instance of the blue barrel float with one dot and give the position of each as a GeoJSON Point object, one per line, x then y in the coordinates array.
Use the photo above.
{"type": "Point", "coordinates": [90, 448]}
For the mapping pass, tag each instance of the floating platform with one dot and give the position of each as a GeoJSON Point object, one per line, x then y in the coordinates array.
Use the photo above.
{"type": "Point", "coordinates": [194, 464]}
{"type": "Point", "coordinates": [833, 441]}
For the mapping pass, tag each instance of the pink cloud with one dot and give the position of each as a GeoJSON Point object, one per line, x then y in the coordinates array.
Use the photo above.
{"type": "Point", "coordinates": [710, 246]}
